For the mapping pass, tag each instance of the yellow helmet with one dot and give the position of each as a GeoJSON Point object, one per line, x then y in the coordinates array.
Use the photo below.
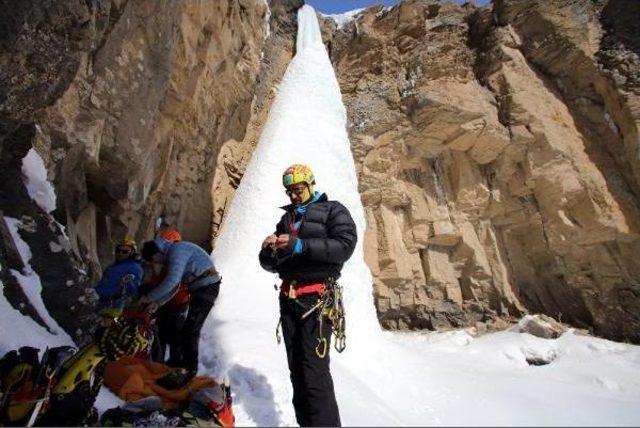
{"type": "Point", "coordinates": [128, 242]}
{"type": "Point", "coordinates": [298, 173]}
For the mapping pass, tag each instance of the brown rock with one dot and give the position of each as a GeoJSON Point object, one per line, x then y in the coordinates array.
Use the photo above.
{"type": "Point", "coordinates": [506, 139]}
{"type": "Point", "coordinates": [137, 107]}
{"type": "Point", "coordinates": [540, 326]}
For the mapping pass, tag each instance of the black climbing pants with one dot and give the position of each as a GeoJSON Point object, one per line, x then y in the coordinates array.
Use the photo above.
{"type": "Point", "coordinates": [314, 399]}
{"type": "Point", "coordinates": [169, 324]}
{"type": "Point", "coordinates": [200, 305]}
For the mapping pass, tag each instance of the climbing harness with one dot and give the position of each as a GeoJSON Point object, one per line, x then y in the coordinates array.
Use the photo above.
{"type": "Point", "coordinates": [330, 306]}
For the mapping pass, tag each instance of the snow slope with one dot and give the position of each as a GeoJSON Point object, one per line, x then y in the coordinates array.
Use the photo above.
{"type": "Point", "coordinates": [30, 283]}
{"type": "Point", "coordinates": [382, 378]}
{"type": "Point", "coordinates": [342, 19]}
{"type": "Point", "coordinates": [35, 179]}
{"type": "Point", "coordinates": [17, 330]}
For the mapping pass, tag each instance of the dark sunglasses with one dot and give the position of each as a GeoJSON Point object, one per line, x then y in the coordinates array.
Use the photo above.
{"type": "Point", "coordinates": [299, 191]}
{"type": "Point", "coordinates": [123, 250]}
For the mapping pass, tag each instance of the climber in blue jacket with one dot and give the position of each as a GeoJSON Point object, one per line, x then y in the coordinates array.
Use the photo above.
{"type": "Point", "coordinates": [120, 280]}
{"type": "Point", "coordinates": [190, 265]}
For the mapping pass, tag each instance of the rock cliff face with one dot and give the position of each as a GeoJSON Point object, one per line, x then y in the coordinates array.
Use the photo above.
{"type": "Point", "coordinates": [130, 104]}
{"type": "Point", "coordinates": [498, 158]}
{"type": "Point", "coordinates": [497, 149]}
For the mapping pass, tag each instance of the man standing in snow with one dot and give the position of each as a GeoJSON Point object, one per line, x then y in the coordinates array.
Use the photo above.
{"type": "Point", "coordinates": [186, 264]}
{"type": "Point", "coordinates": [313, 239]}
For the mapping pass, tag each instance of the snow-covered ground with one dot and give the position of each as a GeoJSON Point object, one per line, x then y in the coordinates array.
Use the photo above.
{"type": "Point", "coordinates": [15, 329]}
{"type": "Point", "coordinates": [30, 283]}
{"type": "Point", "coordinates": [382, 378]}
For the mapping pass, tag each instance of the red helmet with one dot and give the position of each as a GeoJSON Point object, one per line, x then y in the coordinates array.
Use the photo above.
{"type": "Point", "coordinates": [170, 235]}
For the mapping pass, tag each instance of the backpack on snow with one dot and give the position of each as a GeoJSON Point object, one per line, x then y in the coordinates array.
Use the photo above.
{"type": "Point", "coordinates": [26, 382]}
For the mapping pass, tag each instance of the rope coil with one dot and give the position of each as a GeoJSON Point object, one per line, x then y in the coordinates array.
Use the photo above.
{"type": "Point", "coordinates": [122, 338]}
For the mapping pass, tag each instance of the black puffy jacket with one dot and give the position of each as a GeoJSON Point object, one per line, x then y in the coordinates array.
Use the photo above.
{"type": "Point", "coordinates": [329, 237]}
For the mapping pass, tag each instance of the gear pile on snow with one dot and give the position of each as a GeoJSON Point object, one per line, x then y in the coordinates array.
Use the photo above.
{"type": "Point", "coordinates": [60, 388]}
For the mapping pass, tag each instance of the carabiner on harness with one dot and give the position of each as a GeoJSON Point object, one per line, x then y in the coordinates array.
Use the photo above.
{"type": "Point", "coordinates": [278, 336]}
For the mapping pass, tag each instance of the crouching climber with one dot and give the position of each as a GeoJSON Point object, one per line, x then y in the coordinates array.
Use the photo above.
{"type": "Point", "coordinates": [187, 264]}
{"type": "Point", "coordinates": [120, 281]}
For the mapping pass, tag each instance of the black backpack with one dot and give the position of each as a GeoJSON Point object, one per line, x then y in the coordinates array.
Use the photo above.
{"type": "Point", "coordinates": [26, 380]}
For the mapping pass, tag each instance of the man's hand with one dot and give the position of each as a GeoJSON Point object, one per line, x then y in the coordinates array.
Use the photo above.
{"type": "Point", "coordinates": [147, 305]}
{"type": "Point", "coordinates": [151, 308]}
{"type": "Point", "coordinates": [269, 241]}
{"type": "Point", "coordinates": [282, 242]}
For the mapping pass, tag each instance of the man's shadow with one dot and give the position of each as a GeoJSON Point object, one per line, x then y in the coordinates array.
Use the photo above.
{"type": "Point", "coordinates": [250, 388]}
{"type": "Point", "coordinates": [253, 390]}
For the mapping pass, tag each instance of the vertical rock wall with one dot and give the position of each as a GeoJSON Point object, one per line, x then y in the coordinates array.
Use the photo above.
{"type": "Point", "coordinates": [498, 158]}
{"type": "Point", "coordinates": [137, 133]}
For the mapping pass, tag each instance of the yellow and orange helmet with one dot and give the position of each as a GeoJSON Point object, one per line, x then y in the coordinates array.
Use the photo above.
{"type": "Point", "coordinates": [298, 173]}
{"type": "Point", "coordinates": [128, 242]}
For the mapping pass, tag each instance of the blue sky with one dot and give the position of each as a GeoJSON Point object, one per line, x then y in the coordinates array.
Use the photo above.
{"type": "Point", "coordinates": [339, 6]}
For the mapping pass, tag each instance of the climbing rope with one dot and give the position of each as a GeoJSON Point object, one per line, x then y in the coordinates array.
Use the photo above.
{"type": "Point", "coordinates": [122, 337]}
